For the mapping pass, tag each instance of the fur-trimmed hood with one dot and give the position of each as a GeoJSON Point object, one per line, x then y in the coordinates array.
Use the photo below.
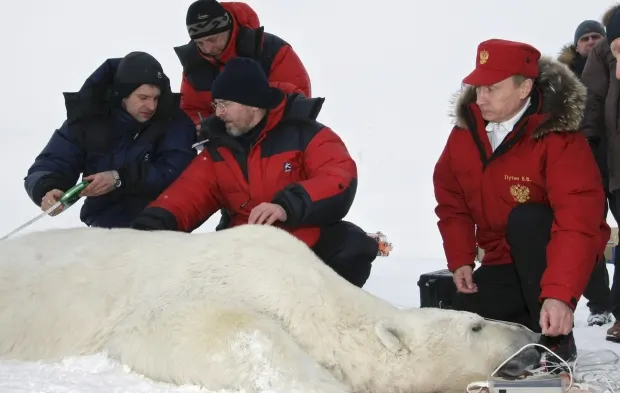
{"type": "Point", "coordinates": [567, 54]}
{"type": "Point", "coordinates": [608, 14]}
{"type": "Point", "coordinates": [563, 99]}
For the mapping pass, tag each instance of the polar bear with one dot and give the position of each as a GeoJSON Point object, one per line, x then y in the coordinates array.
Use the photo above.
{"type": "Point", "coordinates": [246, 308]}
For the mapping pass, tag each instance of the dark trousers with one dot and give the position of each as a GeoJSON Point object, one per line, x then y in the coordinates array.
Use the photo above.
{"type": "Point", "coordinates": [511, 292]}
{"type": "Point", "coordinates": [614, 208]}
{"type": "Point", "coordinates": [348, 250]}
{"type": "Point", "coordinates": [597, 291]}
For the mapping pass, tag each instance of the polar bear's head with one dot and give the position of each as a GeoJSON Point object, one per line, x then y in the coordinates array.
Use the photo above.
{"type": "Point", "coordinates": [442, 350]}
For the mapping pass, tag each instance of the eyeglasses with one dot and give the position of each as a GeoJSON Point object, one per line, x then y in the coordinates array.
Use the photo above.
{"type": "Point", "coordinates": [220, 105]}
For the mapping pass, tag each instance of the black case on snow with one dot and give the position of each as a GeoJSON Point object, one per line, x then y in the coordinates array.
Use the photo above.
{"type": "Point", "coordinates": [437, 289]}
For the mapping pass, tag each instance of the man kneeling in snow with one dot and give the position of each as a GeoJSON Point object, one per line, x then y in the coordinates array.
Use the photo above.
{"type": "Point", "coordinates": [268, 161]}
{"type": "Point", "coordinates": [517, 178]}
{"type": "Point", "coordinates": [125, 133]}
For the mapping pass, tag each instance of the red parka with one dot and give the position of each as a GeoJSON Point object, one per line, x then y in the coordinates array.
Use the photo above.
{"type": "Point", "coordinates": [545, 159]}
{"type": "Point", "coordinates": [295, 162]}
{"type": "Point", "coordinates": [284, 68]}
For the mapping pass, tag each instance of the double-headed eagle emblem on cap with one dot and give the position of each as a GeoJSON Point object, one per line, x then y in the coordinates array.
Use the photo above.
{"type": "Point", "coordinates": [484, 56]}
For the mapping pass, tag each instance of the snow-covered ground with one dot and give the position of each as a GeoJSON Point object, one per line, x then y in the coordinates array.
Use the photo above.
{"type": "Point", "coordinates": [387, 69]}
{"type": "Point", "coordinates": [394, 279]}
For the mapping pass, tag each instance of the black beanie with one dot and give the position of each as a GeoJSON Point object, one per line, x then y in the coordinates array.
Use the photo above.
{"type": "Point", "coordinates": [243, 81]}
{"type": "Point", "coordinates": [588, 26]}
{"type": "Point", "coordinates": [207, 17]}
{"type": "Point", "coordinates": [613, 27]}
{"type": "Point", "coordinates": [136, 69]}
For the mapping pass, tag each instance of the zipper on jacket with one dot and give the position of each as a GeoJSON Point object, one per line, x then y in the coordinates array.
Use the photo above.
{"type": "Point", "coordinates": [508, 143]}
{"type": "Point", "coordinates": [503, 147]}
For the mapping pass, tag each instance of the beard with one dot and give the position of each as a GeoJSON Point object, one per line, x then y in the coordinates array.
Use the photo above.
{"type": "Point", "coordinates": [234, 131]}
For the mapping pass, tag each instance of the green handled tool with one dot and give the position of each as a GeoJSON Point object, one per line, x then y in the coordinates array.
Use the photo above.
{"type": "Point", "coordinates": [67, 200]}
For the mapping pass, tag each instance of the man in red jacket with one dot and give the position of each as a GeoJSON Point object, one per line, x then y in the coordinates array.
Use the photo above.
{"type": "Point", "coordinates": [220, 32]}
{"type": "Point", "coordinates": [517, 179]}
{"type": "Point", "coordinates": [269, 162]}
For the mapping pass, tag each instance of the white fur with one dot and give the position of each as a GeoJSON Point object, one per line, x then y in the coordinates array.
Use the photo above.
{"type": "Point", "coordinates": [230, 310]}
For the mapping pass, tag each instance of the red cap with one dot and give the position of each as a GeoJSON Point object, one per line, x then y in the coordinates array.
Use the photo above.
{"type": "Point", "coordinates": [498, 59]}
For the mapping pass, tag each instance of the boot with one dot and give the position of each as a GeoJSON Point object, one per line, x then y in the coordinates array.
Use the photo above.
{"type": "Point", "coordinates": [613, 333]}
{"type": "Point", "coordinates": [599, 318]}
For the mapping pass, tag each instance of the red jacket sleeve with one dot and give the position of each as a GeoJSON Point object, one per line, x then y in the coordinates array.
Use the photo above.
{"type": "Point", "coordinates": [195, 104]}
{"type": "Point", "coordinates": [328, 193]}
{"type": "Point", "coordinates": [287, 87]}
{"type": "Point", "coordinates": [579, 230]}
{"type": "Point", "coordinates": [456, 225]}
{"type": "Point", "coordinates": [187, 203]}
{"type": "Point", "coordinates": [287, 67]}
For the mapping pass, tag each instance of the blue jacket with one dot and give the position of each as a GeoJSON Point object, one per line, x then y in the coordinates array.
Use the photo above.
{"type": "Point", "coordinates": [99, 135]}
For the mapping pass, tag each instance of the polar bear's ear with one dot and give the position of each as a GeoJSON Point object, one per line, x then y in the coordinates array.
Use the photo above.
{"type": "Point", "coordinates": [391, 337]}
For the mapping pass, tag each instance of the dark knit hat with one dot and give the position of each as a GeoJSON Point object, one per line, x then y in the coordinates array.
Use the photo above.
{"type": "Point", "coordinates": [613, 27]}
{"type": "Point", "coordinates": [586, 27]}
{"type": "Point", "coordinates": [243, 81]}
{"type": "Point", "coordinates": [207, 17]}
{"type": "Point", "coordinates": [136, 69]}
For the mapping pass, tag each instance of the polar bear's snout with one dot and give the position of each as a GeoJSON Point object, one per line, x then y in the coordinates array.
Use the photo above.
{"type": "Point", "coordinates": [518, 366]}
{"type": "Point", "coordinates": [524, 359]}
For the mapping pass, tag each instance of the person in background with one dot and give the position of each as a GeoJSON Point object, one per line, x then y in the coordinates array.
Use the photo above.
{"type": "Point", "coordinates": [517, 179]}
{"type": "Point", "coordinates": [222, 31]}
{"type": "Point", "coordinates": [601, 125]}
{"type": "Point", "coordinates": [269, 162]}
{"type": "Point", "coordinates": [574, 55]}
{"type": "Point", "coordinates": [125, 134]}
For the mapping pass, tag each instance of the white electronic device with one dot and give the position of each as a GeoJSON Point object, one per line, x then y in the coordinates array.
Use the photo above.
{"type": "Point", "coordinates": [533, 384]}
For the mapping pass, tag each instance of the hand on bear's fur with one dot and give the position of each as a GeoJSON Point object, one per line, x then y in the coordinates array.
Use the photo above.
{"type": "Point", "coordinates": [464, 280]}
{"type": "Point", "coordinates": [267, 213]}
{"type": "Point", "coordinates": [556, 318]}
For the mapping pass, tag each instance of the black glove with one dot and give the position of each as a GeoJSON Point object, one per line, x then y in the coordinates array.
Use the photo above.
{"type": "Point", "coordinates": [206, 126]}
{"type": "Point", "coordinates": [145, 223]}
{"type": "Point", "coordinates": [155, 219]}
